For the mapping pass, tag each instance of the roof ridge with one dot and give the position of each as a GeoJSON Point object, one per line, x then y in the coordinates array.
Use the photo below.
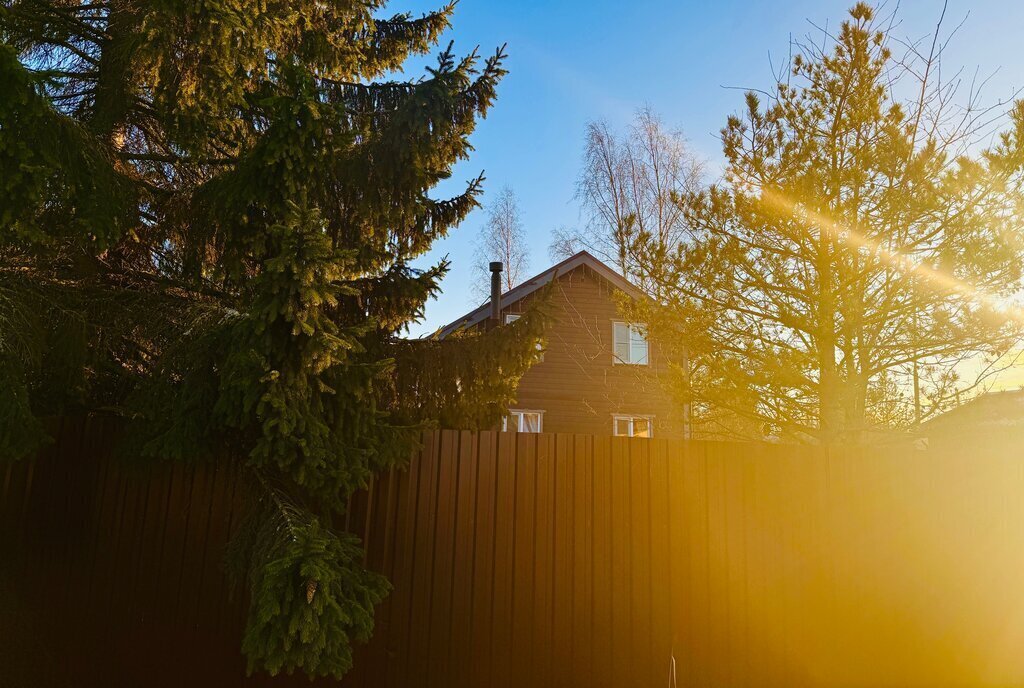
{"type": "Point", "coordinates": [532, 284]}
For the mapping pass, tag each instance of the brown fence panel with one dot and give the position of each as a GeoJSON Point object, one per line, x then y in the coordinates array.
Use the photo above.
{"type": "Point", "coordinates": [543, 560]}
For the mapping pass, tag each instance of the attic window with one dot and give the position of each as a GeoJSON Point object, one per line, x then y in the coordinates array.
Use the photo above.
{"type": "Point", "coordinates": [630, 344]}
{"type": "Point", "coordinates": [511, 318]}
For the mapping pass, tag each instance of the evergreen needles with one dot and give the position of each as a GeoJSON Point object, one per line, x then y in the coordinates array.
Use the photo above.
{"type": "Point", "coordinates": [208, 212]}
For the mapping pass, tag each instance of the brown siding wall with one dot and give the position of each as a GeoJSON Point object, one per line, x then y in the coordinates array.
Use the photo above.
{"type": "Point", "coordinates": [577, 385]}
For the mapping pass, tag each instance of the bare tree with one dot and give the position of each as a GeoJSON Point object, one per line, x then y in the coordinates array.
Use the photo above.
{"type": "Point", "coordinates": [628, 190]}
{"type": "Point", "coordinates": [502, 238]}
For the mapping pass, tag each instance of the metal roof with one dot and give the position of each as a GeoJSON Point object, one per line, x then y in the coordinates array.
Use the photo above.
{"type": "Point", "coordinates": [1004, 409]}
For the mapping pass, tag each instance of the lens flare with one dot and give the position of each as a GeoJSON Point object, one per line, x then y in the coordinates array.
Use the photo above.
{"type": "Point", "coordinates": [935, 279]}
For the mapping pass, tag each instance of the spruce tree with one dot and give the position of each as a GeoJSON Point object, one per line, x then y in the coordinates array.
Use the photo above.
{"type": "Point", "coordinates": [208, 211]}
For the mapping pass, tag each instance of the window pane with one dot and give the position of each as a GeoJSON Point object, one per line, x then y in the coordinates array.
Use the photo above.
{"type": "Point", "coordinates": [638, 346]}
{"type": "Point", "coordinates": [638, 353]}
{"type": "Point", "coordinates": [641, 427]}
{"type": "Point", "coordinates": [622, 427]}
{"type": "Point", "coordinates": [511, 317]}
{"type": "Point", "coordinates": [621, 337]}
{"type": "Point", "coordinates": [531, 422]}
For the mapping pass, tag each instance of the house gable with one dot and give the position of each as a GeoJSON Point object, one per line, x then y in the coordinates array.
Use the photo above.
{"type": "Point", "coordinates": [580, 386]}
{"type": "Point", "coordinates": [528, 287]}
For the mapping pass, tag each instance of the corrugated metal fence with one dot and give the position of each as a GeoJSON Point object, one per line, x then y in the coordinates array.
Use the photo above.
{"type": "Point", "coordinates": [545, 560]}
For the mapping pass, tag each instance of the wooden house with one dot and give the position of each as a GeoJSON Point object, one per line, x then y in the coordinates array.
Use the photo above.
{"type": "Point", "coordinates": [599, 374]}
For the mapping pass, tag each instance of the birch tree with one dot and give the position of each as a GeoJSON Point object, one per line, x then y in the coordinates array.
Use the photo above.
{"type": "Point", "coordinates": [502, 238]}
{"type": "Point", "coordinates": [628, 188]}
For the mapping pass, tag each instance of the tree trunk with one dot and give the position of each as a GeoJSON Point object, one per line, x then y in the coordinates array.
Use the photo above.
{"type": "Point", "coordinates": [854, 405]}
{"type": "Point", "coordinates": [830, 405]}
{"type": "Point", "coordinates": [111, 103]}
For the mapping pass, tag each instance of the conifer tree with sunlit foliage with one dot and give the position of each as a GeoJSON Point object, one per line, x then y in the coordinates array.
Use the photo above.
{"type": "Point", "coordinates": [208, 211]}
{"type": "Point", "coordinates": [864, 241]}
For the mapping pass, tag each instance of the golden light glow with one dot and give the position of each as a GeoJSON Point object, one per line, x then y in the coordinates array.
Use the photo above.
{"type": "Point", "coordinates": [938, 280]}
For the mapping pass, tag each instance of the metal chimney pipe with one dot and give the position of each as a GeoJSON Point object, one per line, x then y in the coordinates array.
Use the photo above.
{"type": "Point", "coordinates": [496, 292]}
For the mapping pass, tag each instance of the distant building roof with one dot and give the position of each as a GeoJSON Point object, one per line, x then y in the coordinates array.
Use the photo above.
{"type": "Point", "coordinates": [531, 285]}
{"type": "Point", "coordinates": [990, 411]}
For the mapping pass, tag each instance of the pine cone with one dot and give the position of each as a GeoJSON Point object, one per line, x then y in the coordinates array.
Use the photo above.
{"type": "Point", "coordinates": [310, 590]}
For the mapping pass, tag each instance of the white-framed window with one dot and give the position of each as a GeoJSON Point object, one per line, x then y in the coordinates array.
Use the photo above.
{"type": "Point", "coordinates": [630, 342]}
{"type": "Point", "coordinates": [633, 426]}
{"type": "Point", "coordinates": [511, 318]}
{"type": "Point", "coordinates": [523, 420]}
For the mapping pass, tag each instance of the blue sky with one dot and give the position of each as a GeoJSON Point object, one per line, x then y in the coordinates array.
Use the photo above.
{"type": "Point", "coordinates": [571, 62]}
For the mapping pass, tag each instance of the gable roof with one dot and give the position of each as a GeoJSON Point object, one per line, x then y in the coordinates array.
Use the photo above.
{"type": "Point", "coordinates": [531, 285]}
